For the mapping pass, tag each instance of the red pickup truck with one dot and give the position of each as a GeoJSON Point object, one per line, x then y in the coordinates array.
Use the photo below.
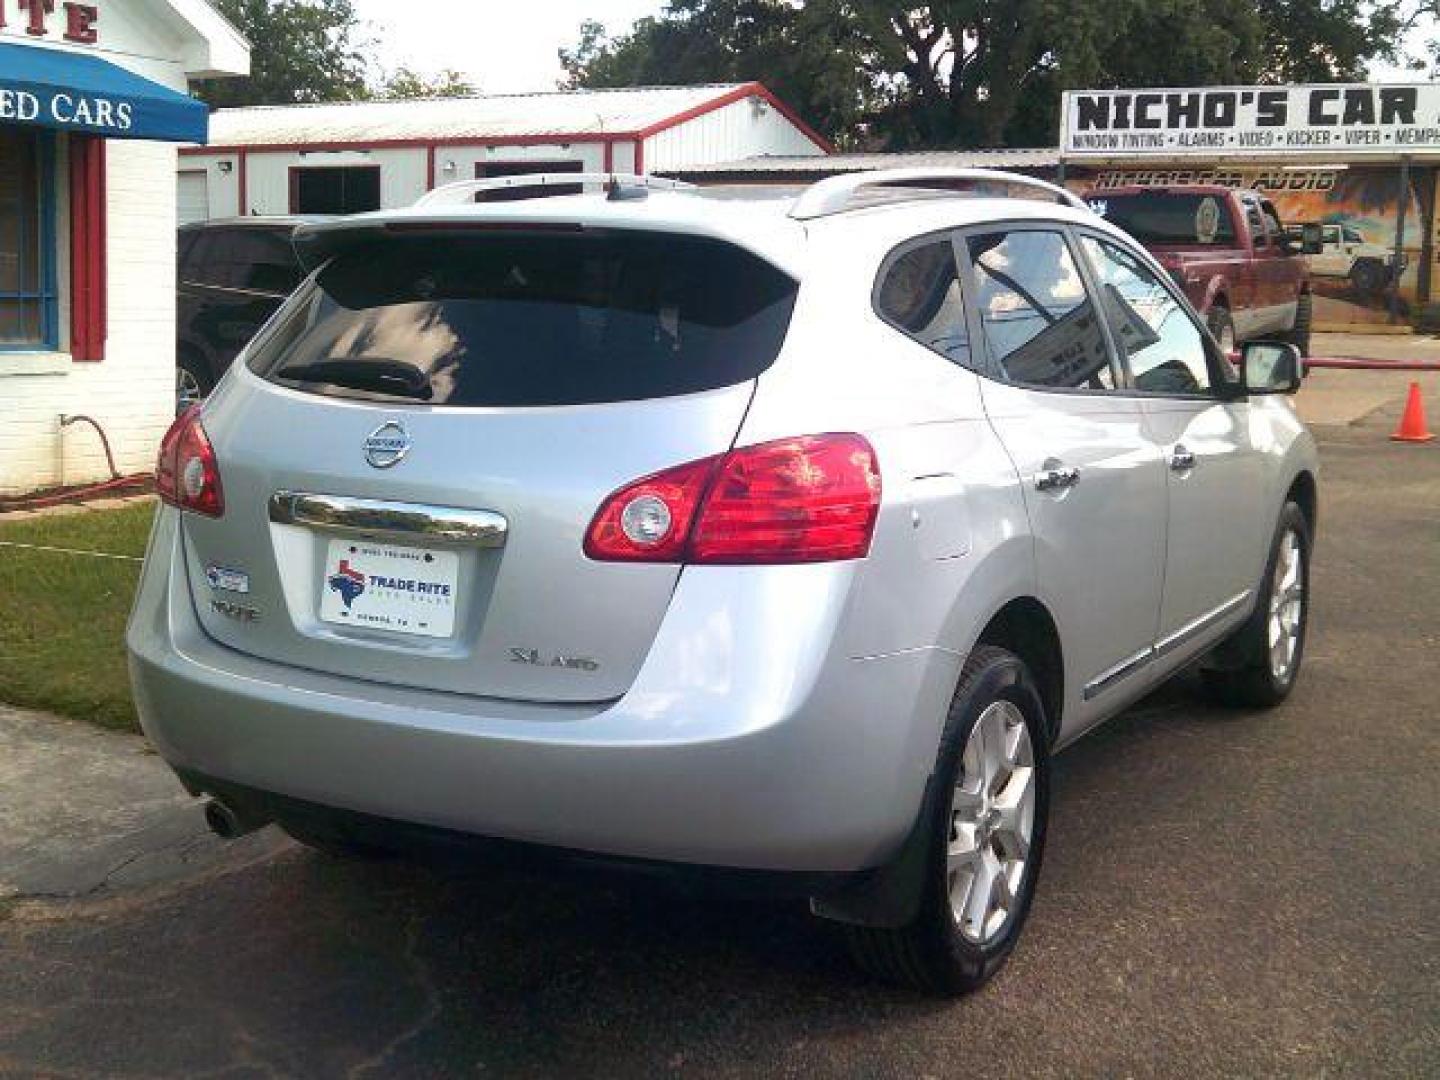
{"type": "Point", "coordinates": [1228, 250]}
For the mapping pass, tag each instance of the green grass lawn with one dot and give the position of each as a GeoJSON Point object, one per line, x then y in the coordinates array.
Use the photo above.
{"type": "Point", "coordinates": [62, 616]}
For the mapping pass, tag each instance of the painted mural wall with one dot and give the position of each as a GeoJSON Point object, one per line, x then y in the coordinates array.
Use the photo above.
{"type": "Point", "coordinates": [1356, 277]}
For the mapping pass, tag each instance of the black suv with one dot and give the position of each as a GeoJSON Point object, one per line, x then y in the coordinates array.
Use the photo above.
{"type": "Point", "coordinates": [232, 275]}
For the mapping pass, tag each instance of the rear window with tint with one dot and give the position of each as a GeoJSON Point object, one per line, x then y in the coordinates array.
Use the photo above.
{"type": "Point", "coordinates": [1160, 218]}
{"type": "Point", "coordinates": [531, 319]}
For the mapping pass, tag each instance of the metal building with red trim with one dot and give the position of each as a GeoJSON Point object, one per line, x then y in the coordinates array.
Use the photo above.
{"type": "Point", "coordinates": [349, 157]}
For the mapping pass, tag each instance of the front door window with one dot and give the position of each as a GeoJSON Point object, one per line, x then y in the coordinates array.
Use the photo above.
{"type": "Point", "coordinates": [1165, 349]}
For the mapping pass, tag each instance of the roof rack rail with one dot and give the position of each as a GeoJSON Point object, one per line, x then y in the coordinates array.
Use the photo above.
{"type": "Point", "coordinates": [836, 193]}
{"type": "Point", "coordinates": [617, 186]}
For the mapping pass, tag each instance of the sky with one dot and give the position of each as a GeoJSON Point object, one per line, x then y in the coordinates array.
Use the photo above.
{"type": "Point", "coordinates": [502, 54]}
{"type": "Point", "coordinates": [484, 39]}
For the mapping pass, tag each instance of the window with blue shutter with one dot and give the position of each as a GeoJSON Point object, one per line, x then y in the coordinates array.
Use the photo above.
{"type": "Point", "coordinates": [29, 312]}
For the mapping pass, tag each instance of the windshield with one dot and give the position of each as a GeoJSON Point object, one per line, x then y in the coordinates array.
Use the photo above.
{"type": "Point", "coordinates": [531, 319]}
{"type": "Point", "coordinates": [1154, 217]}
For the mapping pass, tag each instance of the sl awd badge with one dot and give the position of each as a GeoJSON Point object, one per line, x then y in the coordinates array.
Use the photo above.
{"type": "Point", "coordinates": [387, 445]}
{"type": "Point", "coordinates": [533, 657]}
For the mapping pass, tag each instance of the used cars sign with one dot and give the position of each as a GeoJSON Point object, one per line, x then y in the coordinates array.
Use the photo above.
{"type": "Point", "coordinates": [67, 110]}
{"type": "Point", "coordinates": [71, 91]}
{"type": "Point", "coordinates": [1361, 118]}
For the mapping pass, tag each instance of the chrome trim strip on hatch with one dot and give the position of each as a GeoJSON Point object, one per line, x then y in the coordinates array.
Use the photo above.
{"type": "Point", "coordinates": [402, 521]}
{"type": "Point", "coordinates": [1105, 680]}
{"type": "Point", "coordinates": [1201, 623]}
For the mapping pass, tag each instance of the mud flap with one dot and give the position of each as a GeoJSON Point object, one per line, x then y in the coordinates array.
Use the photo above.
{"type": "Point", "coordinates": [889, 896]}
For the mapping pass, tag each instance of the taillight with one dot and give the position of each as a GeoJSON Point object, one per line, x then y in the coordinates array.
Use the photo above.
{"type": "Point", "coordinates": [650, 520]}
{"type": "Point", "coordinates": [808, 499]}
{"type": "Point", "coordinates": [186, 472]}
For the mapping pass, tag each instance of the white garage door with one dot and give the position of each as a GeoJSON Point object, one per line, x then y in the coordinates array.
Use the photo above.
{"type": "Point", "coordinates": [194, 196]}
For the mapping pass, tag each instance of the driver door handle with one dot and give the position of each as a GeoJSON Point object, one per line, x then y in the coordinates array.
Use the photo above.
{"type": "Point", "coordinates": [1181, 460]}
{"type": "Point", "coordinates": [1056, 478]}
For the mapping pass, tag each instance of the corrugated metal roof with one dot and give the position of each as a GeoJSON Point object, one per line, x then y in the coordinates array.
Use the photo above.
{"type": "Point", "coordinates": [1032, 158]}
{"type": "Point", "coordinates": [498, 116]}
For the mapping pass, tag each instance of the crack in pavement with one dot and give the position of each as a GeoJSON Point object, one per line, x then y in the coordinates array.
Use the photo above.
{"type": "Point", "coordinates": [55, 907]}
{"type": "Point", "coordinates": [432, 1011]}
{"type": "Point", "coordinates": [83, 894]}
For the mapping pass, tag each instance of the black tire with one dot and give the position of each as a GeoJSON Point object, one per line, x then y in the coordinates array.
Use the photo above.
{"type": "Point", "coordinates": [1368, 275]}
{"type": "Point", "coordinates": [333, 843]}
{"type": "Point", "coordinates": [1241, 673]}
{"type": "Point", "coordinates": [1299, 334]}
{"type": "Point", "coordinates": [930, 953]}
{"type": "Point", "coordinates": [1222, 326]}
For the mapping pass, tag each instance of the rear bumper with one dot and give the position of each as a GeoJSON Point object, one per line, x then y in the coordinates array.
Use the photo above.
{"type": "Point", "coordinates": [744, 742]}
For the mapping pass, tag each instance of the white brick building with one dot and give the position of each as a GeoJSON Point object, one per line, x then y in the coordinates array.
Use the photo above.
{"type": "Point", "coordinates": [344, 158]}
{"type": "Point", "coordinates": [91, 108]}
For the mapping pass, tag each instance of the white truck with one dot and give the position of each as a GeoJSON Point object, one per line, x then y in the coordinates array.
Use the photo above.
{"type": "Point", "coordinates": [1345, 253]}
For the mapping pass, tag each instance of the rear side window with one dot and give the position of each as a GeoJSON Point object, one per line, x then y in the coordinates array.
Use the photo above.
{"type": "Point", "coordinates": [1255, 223]}
{"type": "Point", "coordinates": [1272, 222]}
{"type": "Point", "coordinates": [524, 319]}
{"type": "Point", "coordinates": [208, 259]}
{"type": "Point", "coordinates": [264, 261]}
{"type": "Point", "coordinates": [919, 294]}
{"type": "Point", "coordinates": [185, 246]}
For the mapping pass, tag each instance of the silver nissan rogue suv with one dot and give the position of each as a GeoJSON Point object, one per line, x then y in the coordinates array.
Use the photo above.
{"type": "Point", "coordinates": [785, 535]}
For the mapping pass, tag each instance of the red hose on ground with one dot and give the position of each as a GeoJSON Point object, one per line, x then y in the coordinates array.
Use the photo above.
{"type": "Point", "coordinates": [79, 494]}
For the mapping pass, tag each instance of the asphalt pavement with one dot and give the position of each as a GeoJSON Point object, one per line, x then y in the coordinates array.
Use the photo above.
{"type": "Point", "coordinates": [1225, 894]}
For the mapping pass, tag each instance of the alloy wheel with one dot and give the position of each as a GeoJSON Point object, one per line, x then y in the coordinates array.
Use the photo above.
{"type": "Point", "coordinates": [992, 820]}
{"type": "Point", "coordinates": [1287, 606]}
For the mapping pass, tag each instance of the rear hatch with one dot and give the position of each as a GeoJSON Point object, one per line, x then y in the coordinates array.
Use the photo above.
{"type": "Point", "coordinates": [417, 444]}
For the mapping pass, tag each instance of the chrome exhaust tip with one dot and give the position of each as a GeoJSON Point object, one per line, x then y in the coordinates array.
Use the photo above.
{"type": "Point", "coordinates": [226, 823]}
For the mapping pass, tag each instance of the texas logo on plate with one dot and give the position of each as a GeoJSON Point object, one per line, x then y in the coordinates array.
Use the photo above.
{"type": "Point", "coordinates": [388, 587]}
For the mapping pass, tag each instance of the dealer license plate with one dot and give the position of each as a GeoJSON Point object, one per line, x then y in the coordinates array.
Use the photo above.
{"type": "Point", "coordinates": [390, 587]}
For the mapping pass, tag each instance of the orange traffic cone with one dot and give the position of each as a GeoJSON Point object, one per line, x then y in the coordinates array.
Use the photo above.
{"type": "Point", "coordinates": [1412, 423]}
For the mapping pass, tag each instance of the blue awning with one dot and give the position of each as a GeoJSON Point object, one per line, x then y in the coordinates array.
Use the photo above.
{"type": "Point", "coordinates": [75, 92]}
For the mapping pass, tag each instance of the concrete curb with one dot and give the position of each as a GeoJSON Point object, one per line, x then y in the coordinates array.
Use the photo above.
{"type": "Point", "coordinates": [89, 812]}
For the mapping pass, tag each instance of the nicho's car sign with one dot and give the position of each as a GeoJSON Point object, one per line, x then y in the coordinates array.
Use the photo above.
{"type": "Point", "coordinates": [1363, 118]}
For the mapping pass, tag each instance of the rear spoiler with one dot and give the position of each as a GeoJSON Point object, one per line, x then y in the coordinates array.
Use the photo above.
{"type": "Point", "coordinates": [317, 243]}
{"type": "Point", "coordinates": [617, 187]}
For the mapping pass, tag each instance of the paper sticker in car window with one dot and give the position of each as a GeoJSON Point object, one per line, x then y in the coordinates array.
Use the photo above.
{"type": "Point", "coordinates": [1207, 220]}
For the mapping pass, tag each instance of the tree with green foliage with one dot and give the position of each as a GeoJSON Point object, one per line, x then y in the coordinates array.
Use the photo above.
{"type": "Point", "coordinates": [1328, 40]}
{"type": "Point", "coordinates": [301, 51]}
{"type": "Point", "coordinates": [976, 72]}
{"type": "Point", "coordinates": [806, 59]}
{"type": "Point", "coordinates": [406, 83]}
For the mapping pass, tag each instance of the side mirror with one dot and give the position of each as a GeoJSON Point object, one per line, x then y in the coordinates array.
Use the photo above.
{"type": "Point", "coordinates": [1270, 367]}
{"type": "Point", "coordinates": [1312, 238]}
